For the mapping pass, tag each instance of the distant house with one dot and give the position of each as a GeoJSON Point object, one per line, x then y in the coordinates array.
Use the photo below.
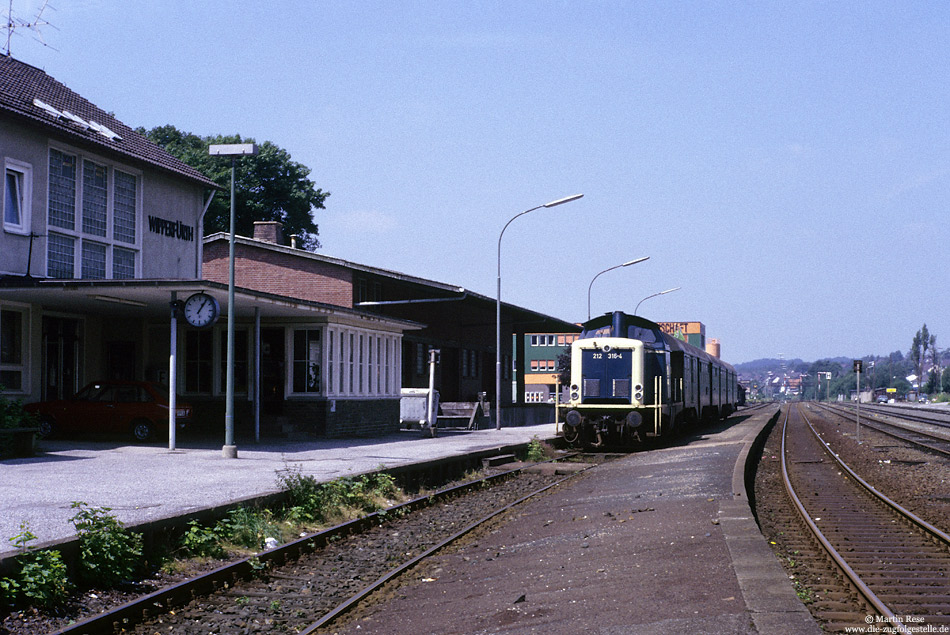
{"type": "Point", "coordinates": [540, 366]}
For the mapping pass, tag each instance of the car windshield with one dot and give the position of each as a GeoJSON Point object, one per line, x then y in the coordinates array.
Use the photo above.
{"type": "Point", "coordinates": [92, 392]}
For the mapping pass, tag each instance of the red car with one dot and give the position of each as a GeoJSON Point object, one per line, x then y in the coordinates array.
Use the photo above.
{"type": "Point", "coordinates": [139, 408]}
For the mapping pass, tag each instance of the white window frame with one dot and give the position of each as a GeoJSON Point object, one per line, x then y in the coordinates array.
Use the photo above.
{"type": "Point", "coordinates": [23, 366]}
{"type": "Point", "coordinates": [78, 235]}
{"type": "Point", "coordinates": [376, 362]}
{"type": "Point", "coordinates": [25, 185]}
{"type": "Point", "coordinates": [321, 361]}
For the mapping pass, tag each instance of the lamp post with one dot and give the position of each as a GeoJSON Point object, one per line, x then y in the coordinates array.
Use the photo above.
{"type": "Point", "coordinates": [560, 201]}
{"type": "Point", "coordinates": [626, 264]}
{"type": "Point", "coordinates": [233, 150]}
{"type": "Point", "coordinates": [653, 296]}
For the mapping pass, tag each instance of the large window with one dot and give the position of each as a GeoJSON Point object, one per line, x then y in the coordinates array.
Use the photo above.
{"type": "Point", "coordinates": [93, 215]}
{"type": "Point", "coordinates": [13, 349]}
{"type": "Point", "coordinates": [199, 349]}
{"type": "Point", "coordinates": [358, 363]}
{"type": "Point", "coordinates": [17, 197]}
{"type": "Point", "coordinates": [307, 358]}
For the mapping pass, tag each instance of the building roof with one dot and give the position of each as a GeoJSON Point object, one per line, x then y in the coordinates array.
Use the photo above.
{"type": "Point", "coordinates": [30, 94]}
{"type": "Point", "coordinates": [431, 286]}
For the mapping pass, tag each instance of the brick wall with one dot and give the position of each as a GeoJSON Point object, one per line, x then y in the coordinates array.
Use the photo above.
{"type": "Point", "coordinates": [281, 273]}
{"type": "Point", "coordinates": [351, 418]}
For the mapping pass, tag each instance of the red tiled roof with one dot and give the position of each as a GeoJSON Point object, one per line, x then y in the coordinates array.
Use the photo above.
{"type": "Point", "coordinates": [21, 84]}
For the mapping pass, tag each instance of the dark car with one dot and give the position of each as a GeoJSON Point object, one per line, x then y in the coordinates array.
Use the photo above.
{"type": "Point", "coordinates": [139, 408]}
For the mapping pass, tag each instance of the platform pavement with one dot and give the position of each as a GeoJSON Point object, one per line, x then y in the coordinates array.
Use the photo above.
{"type": "Point", "coordinates": [661, 541]}
{"type": "Point", "coordinates": [143, 483]}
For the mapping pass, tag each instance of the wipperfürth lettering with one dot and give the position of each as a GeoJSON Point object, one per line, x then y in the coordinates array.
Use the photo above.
{"type": "Point", "coordinates": [171, 228]}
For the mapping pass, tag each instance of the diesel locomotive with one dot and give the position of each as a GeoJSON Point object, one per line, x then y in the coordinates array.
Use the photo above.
{"type": "Point", "coordinates": [631, 381]}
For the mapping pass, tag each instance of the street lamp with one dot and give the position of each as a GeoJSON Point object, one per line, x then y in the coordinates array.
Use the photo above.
{"type": "Point", "coordinates": [626, 264]}
{"type": "Point", "coordinates": [653, 296]}
{"type": "Point", "coordinates": [232, 150]}
{"type": "Point", "coordinates": [559, 201]}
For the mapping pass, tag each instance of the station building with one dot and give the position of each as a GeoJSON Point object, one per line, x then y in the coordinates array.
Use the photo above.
{"type": "Point", "coordinates": [102, 233]}
{"type": "Point", "coordinates": [460, 323]}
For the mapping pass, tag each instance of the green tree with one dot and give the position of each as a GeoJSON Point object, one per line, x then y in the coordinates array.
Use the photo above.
{"type": "Point", "coordinates": [268, 187]}
{"type": "Point", "coordinates": [918, 353]}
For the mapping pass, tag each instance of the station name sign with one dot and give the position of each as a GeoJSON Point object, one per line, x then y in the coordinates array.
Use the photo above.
{"type": "Point", "coordinates": [171, 228]}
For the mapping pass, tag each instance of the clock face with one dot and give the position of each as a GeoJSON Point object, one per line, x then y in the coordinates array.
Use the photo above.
{"type": "Point", "coordinates": [200, 310]}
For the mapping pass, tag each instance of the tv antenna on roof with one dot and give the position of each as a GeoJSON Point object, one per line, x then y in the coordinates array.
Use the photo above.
{"type": "Point", "coordinates": [14, 23]}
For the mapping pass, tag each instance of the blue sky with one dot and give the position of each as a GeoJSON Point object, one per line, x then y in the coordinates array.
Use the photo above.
{"type": "Point", "coordinates": [786, 164]}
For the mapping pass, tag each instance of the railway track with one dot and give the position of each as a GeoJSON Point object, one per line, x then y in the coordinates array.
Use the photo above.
{"type": "Point", "coordinates": [896, 565]}
{"type": "Point", "coordinates": [936, 442]}
{"type": "Point", "coordinates": [304, 585]}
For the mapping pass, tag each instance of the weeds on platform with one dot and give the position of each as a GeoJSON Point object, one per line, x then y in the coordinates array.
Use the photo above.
{"type": "Point", "coordinates": [108, 554]}
{"type": "Point", "coordinates": [39, 578]}
{"type": "Point", "coordinates": [310, 501]}
{"type": "Point", "coordinates": [536, 452]}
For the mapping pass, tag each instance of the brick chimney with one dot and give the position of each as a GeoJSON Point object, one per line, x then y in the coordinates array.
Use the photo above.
{"type": "Point", "coordinates": [270, 231]}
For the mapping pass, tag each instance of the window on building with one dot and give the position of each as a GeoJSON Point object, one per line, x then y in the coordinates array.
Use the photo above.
{"type": "Point", "coordinates": [12, 349]}
{"type": "Point", "coordinates": [61, 257]}
{"type": "Point", "coordinates": [473, 364]}
{"type": "Point", "coordinates": [351, 386]}
{"type": "Point", "coordinates": [534, 365]}
{"type": "Point", "coordinates": [388, 347]}
{"type": "Point", "coordinates": [199, 351]}
{"type": "Point", "coordinates": [62, 189]}
{"type": "Point", "coordinates": [123, 226]}
{"type": "Point", "coordinates": [123, 263]}
{"type": "Point", "coordinates": [380, 386]}
{"type": "Point", "coordinates": [340, 357]}
{"type": "Point", "coordinates": [240, 361]}
{"type": "Point", "coordinates": [103, 197]}
{"type": "Point", "coordinates": [93, 260]}
{"type": "Point", "coordinates": [420, 359]}
{"type": "Point", "coordinates": [331, 366]}
{"type": "Point", "coordinates": [95, 198]}
{"type": "Point", "coordinates": [307, 359]}
{"type": "Point", "coordinates": [18, 197]}
{"type": "Point", "coordinates": [534, 340]}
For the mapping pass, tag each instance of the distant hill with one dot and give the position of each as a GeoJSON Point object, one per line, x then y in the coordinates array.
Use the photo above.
{"type": "Point", "coordinates": [766, 364]}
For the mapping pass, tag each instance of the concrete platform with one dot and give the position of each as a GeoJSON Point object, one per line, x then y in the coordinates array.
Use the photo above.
{"type": "Point", "coordinates": [659, 541]}
{"type": "Point", "coordinates": [144, 483]}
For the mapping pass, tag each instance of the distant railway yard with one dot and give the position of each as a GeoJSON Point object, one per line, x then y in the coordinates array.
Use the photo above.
{"type": "Point", "coordinates": [654, 540]}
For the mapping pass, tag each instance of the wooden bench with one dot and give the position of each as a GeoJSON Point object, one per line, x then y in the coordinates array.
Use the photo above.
{"type": "Point", "coordinates": [457, 414]}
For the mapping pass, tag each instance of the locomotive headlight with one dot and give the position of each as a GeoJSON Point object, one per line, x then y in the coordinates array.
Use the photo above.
{"type": "Point", "coordinates": [575, 396]}
{"type": "Point", "coordinates": [638, 395]}
{"type": "Point", "coordinates": [606, 348]}
{"type": "Point", "coordinates": [574, 386]}
{"type": "Point", "coordinates": [638, 387]}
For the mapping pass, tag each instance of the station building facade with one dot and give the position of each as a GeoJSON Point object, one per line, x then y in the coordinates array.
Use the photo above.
{"type": "Point", "coordinates": [102, 235]}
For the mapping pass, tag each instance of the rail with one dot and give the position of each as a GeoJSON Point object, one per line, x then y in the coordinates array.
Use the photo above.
{"type": "Point", "coordinates": [839, 559]}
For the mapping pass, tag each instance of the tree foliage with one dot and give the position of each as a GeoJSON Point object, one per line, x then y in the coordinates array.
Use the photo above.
{"type": "Point", "coordinates": [268, 187]}
{"type": "Point", "coordinates": [918, 352]}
